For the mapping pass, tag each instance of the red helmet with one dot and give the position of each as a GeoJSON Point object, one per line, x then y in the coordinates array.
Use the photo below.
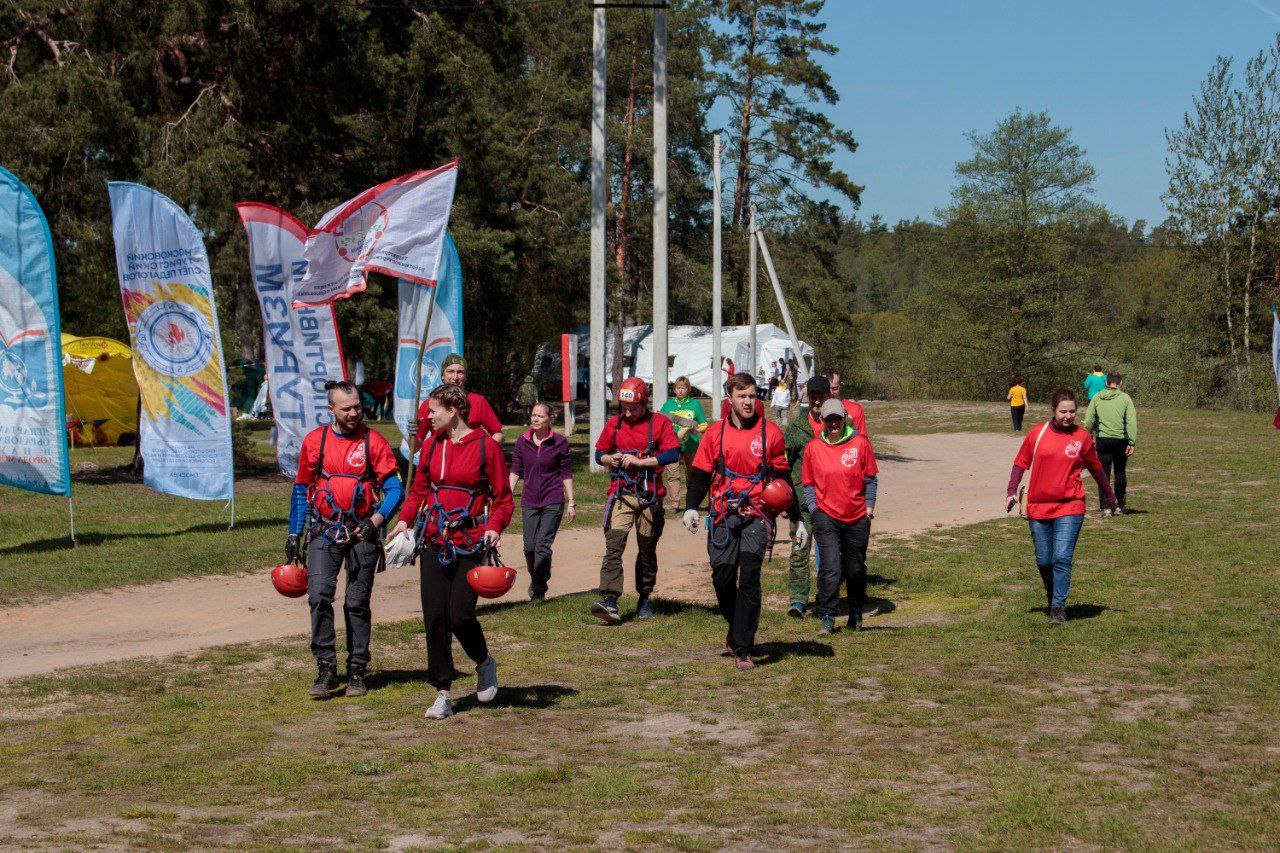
{"type": "Point", "coordinates": [491, 581]}
{"type": "Point", "coordinates": [633, 390]}
{"type": "Point", "coordinates": [290, 580]}
{"type": "Point", "coordinates": [776, 497]}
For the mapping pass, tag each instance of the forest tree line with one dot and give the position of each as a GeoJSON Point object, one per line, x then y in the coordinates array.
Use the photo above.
{"type": "Point", "coordinates": [303, 103]}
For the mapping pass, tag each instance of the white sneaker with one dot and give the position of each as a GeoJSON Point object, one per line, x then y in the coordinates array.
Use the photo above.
{"type": "Point", "coordinates": [443, 707]}
{"type": "Point", "coordinates": [1106, 513]}
{"type": "Point", "coordinates": [487, 680]}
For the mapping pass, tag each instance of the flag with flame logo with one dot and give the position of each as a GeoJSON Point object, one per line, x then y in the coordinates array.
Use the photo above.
{"type": "Point", "coordinates": [185, 428]}
{"type": "Point", "coordinates": [33, 437]}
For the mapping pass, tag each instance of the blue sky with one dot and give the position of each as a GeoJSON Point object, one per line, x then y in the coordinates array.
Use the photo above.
{"type": "Point", "coordinates": [914, 77]}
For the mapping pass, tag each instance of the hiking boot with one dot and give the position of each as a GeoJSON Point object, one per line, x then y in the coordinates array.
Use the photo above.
{"type": "Point", "coordinates": [828, 626]}
{"type": "Point", "coordinates": [743, 662]}
{"type": "Point", "coordinates": [487, 680]}
{"type": "Point", "coordinates": [855, 622]}
{"type": "Point", "coordinates": [796, 611]}
{"type": "Point", "coordinates": [355, 681]}
{"type": "Point", "coordinates": [326, 679]}
{"type": "Point", "coordinates": [1057, 615]}
{"type": "Point", "coordinates": [537, 598]}
{"type": "Point", "coordinates": [728, 645]}
{"type": "Point", "coordinates": [606, 610]}
{"type": "Point", "coordinates": [644, 610]}
{"type": "Point", "coordinates": [441, 708]}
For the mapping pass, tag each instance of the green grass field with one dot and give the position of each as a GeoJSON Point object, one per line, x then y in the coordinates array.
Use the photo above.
{"type": "Point", "coordinates": [960, 718]}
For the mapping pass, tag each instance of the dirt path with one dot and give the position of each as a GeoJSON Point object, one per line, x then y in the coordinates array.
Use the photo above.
{"type": "Point", "coordinates": [929, 481]}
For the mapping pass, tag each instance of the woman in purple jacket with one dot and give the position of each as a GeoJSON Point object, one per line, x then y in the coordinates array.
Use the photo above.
{"type": "Point", "coordinates": [541, 458]}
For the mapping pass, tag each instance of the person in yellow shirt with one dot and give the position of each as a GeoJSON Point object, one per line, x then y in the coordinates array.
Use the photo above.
{"type": "Point", "coordinates": [1017, 403]}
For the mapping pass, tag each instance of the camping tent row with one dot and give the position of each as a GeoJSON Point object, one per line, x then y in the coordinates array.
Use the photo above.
{"type": "Point", "coordinates": [101, 391]}
{"type": "Point", "coordinates": [688, 353]}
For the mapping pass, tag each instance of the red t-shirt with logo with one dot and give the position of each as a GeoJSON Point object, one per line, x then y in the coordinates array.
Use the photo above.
{"type": "Point", "coordinates": [838, 474]}
{"type": "Point", "coordinates": [343, 454]}
{"type": "Point", "coordinates": [853, 409]}
{"type": "Point", "coordinates": [457, 463]}
{"type": "Point", "coordinates": [481, 416]}
{"type": "Point", "coordinates": [620, 434]}
{"type": "Point", "coordinates": [1055, 488]}
{"type": "Point", "coordinates": [743, 450]}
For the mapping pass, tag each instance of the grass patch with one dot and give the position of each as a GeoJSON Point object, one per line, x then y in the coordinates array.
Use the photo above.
{"type": "Point", "coordinates": [959, 718]}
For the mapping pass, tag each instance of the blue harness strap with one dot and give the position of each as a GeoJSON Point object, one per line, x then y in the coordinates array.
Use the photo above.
{"type": "Point", "coordinates": [334, 519]}
{"type": "Point", "coordinates": [737, 501]}
{"type": "Point", "coordinates": [643, 484]}
{"type": "Point", "coordinates": [447, 522]}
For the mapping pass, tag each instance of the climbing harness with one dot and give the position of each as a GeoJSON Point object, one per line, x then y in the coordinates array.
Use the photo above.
{"type": "Point", "coordinates": [332, 518]}
{"type": "Point", "coordinates": [434, 520]}
{"type": "Point", "coordinates": [738, 501]}
{"type": "Point", "coordinates": [643, 484]}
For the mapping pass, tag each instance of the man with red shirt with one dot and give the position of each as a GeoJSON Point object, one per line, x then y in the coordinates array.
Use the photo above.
{"type": "Point", "coordinates": [635, 447]}
{"type": "Point", "coordinates": [857, 416]}
{"type": "Point", "coordinates": [839, 474]}
{"type": "Point", "coordinates": [482, 416]}
{"type": "Point", "coordinates": [737, 459]}
{"type": "Point", "coordinates": [341, 467]}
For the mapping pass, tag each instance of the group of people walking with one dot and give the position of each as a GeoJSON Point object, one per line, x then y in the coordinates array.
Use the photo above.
{"type": "Point", "coordinates": [819, 472]}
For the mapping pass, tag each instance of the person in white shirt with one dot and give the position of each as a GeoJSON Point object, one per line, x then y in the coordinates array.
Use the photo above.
{"type": "Point", "coordinates": [780, 403]}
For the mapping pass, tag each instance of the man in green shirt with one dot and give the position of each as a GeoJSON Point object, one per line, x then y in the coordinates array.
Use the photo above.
{"type": "Point", "coordinates": [798, 434]}
{"type": "Point", "coordinates": [1113, 420]}
{"type": "Point", "coordinates": [690, 421]}
{"type": "Point", "coordinates": [1095, 382]}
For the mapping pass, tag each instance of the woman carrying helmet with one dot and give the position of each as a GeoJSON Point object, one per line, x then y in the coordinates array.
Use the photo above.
{"type": "Point", "coordinates": [341, 468]}
{"type": "Point", "coordinates": [742, 463]}
{"type": "Point", "coordinates": [838, 473]}
{"type": "Point", "coordinates": [1055, 453]}
{"type": "Point", "coordinates": [634, 447]}
{"type": "Point", "coordinates": [459, 504]}
{"type": "Point", "coordinates": [480, 415]}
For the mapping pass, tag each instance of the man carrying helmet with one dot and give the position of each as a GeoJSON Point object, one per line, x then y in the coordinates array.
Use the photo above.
{"type": "Point", "coordinates": [742, 462]}
{"type": "Point", "coordinates": [341, 469]}
{"type": "Point", "coordinates": [482, 416]}
{"type": "Point", "coordinates": [634, 447]}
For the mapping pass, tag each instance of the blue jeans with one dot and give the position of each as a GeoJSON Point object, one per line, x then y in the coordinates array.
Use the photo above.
{"type": "Point", "coordinates": [1055, 541]}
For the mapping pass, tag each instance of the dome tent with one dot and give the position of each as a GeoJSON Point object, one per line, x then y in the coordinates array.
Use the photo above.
{"type": "Point", "coordinates": [101, 391]}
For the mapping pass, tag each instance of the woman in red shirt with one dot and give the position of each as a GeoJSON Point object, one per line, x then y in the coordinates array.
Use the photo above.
{"type": "Point", "coordinates": [462, 489]}
{"type": "Point", "coordinates": [1055, 452]}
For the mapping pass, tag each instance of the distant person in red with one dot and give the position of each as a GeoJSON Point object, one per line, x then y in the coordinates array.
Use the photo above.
{"type": "Point", "coordinates": [481, 416]}
{"type": "Point", "coordinates": [634, 446]}
{"type": "Point", "coordinates": [839, 476]}
{"type": "Point", "coordinates": [1055, 453]}
{"type": "Point", "coordinates": [857, 416]}
{"type": "Point", "coordinates": [737, 459]}
{"type": "Point", "coordinates": [347, 487]}
{"type": "Point", "coordinates": [381, 390]}
{"type": "Point", "coordinates": [460, 503]}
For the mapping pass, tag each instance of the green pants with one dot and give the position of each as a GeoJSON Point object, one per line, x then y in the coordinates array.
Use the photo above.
{"type": "Point", "coordinates": [798, 576]}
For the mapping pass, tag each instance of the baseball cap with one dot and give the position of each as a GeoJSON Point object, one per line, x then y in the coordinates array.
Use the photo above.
{"type": "Point", "coordinates": [818, 385]}
{"type": "Point", "coordinates": [831, 407]}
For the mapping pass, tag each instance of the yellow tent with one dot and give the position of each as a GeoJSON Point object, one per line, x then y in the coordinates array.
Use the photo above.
{"type": "Point", "coordinates": [102, 393]}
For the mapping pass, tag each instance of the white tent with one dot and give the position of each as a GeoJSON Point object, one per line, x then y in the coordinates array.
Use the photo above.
{"type": "Point", "coordinates": [688, 352]}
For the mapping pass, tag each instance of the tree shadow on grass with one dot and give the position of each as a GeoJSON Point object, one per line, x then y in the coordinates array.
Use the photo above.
{"type": "Point", "coordinates": [1078, 611]}
{"type": "Point", "coordinates": [63, 543]}
{"type": "Point", "coordinates": [777, 650]}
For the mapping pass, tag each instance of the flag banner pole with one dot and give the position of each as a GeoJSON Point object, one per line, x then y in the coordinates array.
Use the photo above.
{"type": "Point", "coordinates": [71, 510]}
{"type": "Point", "coordinates": [417, 386]}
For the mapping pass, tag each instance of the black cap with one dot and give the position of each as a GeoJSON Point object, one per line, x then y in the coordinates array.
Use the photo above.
{"type": "Point", "coordinates": [818, 385]}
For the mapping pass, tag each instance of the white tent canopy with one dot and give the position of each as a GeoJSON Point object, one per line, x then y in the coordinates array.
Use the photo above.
{"type": "Point", "coordinates": [689, 352]}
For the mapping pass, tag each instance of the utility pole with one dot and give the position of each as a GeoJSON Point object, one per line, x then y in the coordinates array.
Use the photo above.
{"type": "Point", "coordinates": [801, 372]}
{"type": "Point", "coordinates": [660, 364]}
{"type": "Point", "coordinates": [596, 401]}
{"type": "Point", "coordinates": [717, 382]}
{"type": "Point", "coordinates": [752, 313]}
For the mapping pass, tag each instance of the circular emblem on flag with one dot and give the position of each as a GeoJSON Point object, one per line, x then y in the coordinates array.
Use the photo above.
{"type": "Point", "coordinates": [174, 339]}
{"type": "Point", "coordinates": [360, 232]}
{"type": "Point", "coordinates": [849, 458]}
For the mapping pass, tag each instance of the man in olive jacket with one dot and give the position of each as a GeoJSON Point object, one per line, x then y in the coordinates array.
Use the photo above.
{"type": "Point", "coordinates": [1113, 420]}
{"type": "Point", "coordinates": [798, 434]}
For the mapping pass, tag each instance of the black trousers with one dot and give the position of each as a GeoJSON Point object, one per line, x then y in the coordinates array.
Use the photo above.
{"type": "Point", "coordinates": [1112, 453]}
{"type": "Point", "coordinates": [448, 611]}
{"type": "Point", "coordinates": [736, 547]}
{"type": "Point", "coordinates": [1016, 413]}
{"type": "Point", "coordinates": [843, 551]}
{"type": "Point", "coordinates": [540, 527]}
{"type": "Point", "coordinates": [324, 560]}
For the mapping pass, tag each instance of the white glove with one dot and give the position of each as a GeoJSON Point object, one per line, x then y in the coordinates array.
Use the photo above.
{"type": "Point", "coordinates": [802, 535]}
{"type": "Point", "coordinates": [399, 550]}
{"type": "Point", "coordinates": [692, 520]}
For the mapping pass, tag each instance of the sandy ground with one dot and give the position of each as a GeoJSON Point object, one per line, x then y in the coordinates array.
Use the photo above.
{"type": "Point", "coordinates": [928, 481]}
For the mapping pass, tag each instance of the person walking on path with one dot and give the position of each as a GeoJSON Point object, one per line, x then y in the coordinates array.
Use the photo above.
{"type": "Point", "coordinates": [797, 435]}
{"type": "Point", "coordinates": [541, 458]}
{"type": "Point", "coordinates": [1055, 453]}
{"type": "Point", "coordinates": [737, 459]}
{"type": "Point", "coordinates": [480, 414]}
{"type": "Point", "coordinates": [635, 446]}
{"type": "Point", "coordinates": [1017, 397]}
{"type": "Point", "coordinates": [780, 403]}
{"type": "Point", "coordinates": [341, 469]}
{"type": "Point", "coordinates": [1113, 422]}
{"type": "Point", "coordinates": [1094, 382]}
{"type": "Point", "coordinates": [839, 476]}
{"type": "Point", "coordinates": [527, 395]}
{"type": "Point", "coordinates": [690, 422]}
{"type": "Point", "coordinates": [460, 503]}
